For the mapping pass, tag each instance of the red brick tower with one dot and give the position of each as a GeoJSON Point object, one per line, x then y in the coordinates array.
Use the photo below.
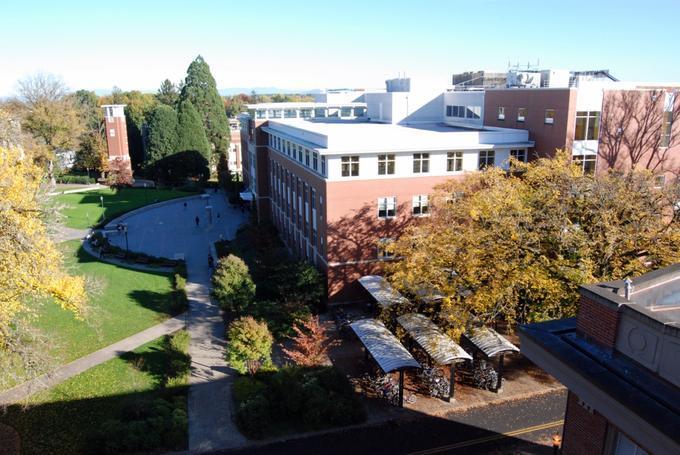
{"type": "Point", "coordinates": [116, 139]}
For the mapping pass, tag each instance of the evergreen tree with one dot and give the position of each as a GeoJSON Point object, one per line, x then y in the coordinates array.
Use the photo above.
{"type": "Point", "coordinates": [201, 90]}
{"type": "Point", "coordinates": [162, 134]}
{"type": "Point", "coordinates": [167, 93]}
{"type": "Point", "coordinates": [190, 132]}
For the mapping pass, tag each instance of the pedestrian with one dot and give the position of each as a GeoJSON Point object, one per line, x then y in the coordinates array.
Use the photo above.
{"type": "Point", "coordinates": [215, 189]}
{"type": "Point", "coordinates": [210, 261]}
{"type": "Point", "coordinates": [198, 221]}
{"type": "Point", "coordinates": [218, 214]}
{"type": "Point", "coordinates": [185, 206]}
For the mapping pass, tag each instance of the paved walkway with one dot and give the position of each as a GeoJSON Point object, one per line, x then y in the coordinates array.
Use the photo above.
{"type": "Point", "coordinates": [69, 370]}
{"type": "Point", "coordinates": [62, 233]}
{"type": "Point", "coordinates": [171, 231]}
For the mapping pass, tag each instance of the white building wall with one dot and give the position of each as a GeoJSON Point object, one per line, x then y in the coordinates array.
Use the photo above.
{"type": "Point", "coordinates": [588, 98]}
{"type": "Point", "coordinates": [472, 98]}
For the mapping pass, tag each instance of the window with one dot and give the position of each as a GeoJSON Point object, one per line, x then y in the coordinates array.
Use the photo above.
{"type": "Point", "coordinates": [359, 111]}
{"type": "Point", "coordinates": [501, 113]}
{"type": "Point", "coordinates": [384, 250]}
{"type": "Point", "coordinates": [319, 112]}
{"type": "Point", "coordinates": [315, 161]}
{"type": "Point", "coordinates": [666, 127]}
{"type": "Point", "coordinates": [521, 114]}
{"type": "Point", "coordinates": [350, 166]}
{"type": "Point", "coordinates": [624, 446]}
{"type": "Point", "coordinates": [386, 164]}
{"type": "Point", "coordinates": [519, 155]}
{"type": "Point", "coordinates": [261, 113]}
{"type": "Point", "coordinates": [333, 112]}
{"type": "Point", "coordinates": [420, 206]}
{"type": "Point", "coordinates": [586, 162]}
{"type": "Point", "coordinates": [587, 126]}
{"type": "Point", "coordinates": [454, 161]}
{"type": "Point", "coordinates": [549, 116]}
{"type": "Point", "coordinates": [346, 112]}
{"type": "Point", "coordinates": [323, 166]}
{"type": "Point", "coordinates": [421, 163]}
{"type": "Point", "coordinates": [460, 111]}
{"type": "Point", "coordinates": [112, 132]}
{"type": "Point", "coordinates": [387, 207]}
{"type": "Point", "coordinates": [307, 157]}
{"type": "Point", "coordinates": [305, 113]}
{"type": "Point", "coordinates": [486, 158]}
{"type": "Point", "coordinates": [659, 181]}
{"type": "Point", "coordinates": [290, 113]}
{"type": "Point", "coordinates": [274, 113]}
{"type": "Point", "coordinates": [473, 112]}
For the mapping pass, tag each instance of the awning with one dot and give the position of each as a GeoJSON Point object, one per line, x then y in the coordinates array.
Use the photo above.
{"type": "Point", "coordinates": [439, 346]}
{"type": "Point", "coordinates": [490, 342]}
{"type": "Point", "coordinates": [383, 293]}
{"type": "Point", "coordinates": [246, 196]}
{"type": "Point", "coordinates": [385, 348]}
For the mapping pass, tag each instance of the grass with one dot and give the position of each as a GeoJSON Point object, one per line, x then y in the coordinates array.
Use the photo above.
{"type": "Point", "coordinates": [83, 210]}
{"type": "Point", "coordinates": [67, 418]}
{"type": "Point", "coordinates": [128, 302]}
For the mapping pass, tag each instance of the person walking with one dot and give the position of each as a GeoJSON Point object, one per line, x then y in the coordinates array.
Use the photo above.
{"type": "Point", "coordinates": [198, 221]}
{"type": "Point", "coordinates": [185, 206]}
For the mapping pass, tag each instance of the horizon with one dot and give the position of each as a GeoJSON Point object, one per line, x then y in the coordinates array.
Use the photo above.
{"type": "Point", "coordinates": [292, 47]}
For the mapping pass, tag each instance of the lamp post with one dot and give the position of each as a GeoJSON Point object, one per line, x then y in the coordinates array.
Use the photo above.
{"type": "Point", "coordinates": [101, 198]}
{"type": "Point", "coordinates": [146, 198]}
{"type": "Point", "coordinates": [556, 443]}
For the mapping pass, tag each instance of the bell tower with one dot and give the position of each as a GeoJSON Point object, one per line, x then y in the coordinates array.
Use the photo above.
{"type": "Point", "coordinates": [116, 137]}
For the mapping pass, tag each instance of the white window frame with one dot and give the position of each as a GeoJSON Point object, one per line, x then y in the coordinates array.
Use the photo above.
{"type": "Point", "coordinates": [352, 163]}
{"type": "Point", "coordinates": [522, 114]}
{"type": "Point", "coordinates": [454, 161]}
{"type": "Point", "coordinates": [501, 113]}
{"type": "Point", "coordinates": [421, 163]}
{"type": "Point", "coordinates": [549, 119]}
{"type": "Point", "coordinates": [483, 159]}
{"type": "Point", "coordinates": [421, 205]}
{"type": "Point", "coordinates": [388, 206]}
{"type": "Point", "coordinates": [386, 160]}
{"type": "Point", "coordinates": [517, 153]}
{"type": "Point", "coordinates": [382, 243]}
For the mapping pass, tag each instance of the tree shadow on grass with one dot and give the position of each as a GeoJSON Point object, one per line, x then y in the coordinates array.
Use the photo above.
{"type": "Point", "coordinates": [167, 364]}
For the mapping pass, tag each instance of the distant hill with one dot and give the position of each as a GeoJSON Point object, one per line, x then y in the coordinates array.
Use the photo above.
{"type": "Point", "coordinates": [229, 91]}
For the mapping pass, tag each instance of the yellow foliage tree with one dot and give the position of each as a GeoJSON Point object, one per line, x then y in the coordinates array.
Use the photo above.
{"type": "Point", "coordinates": [516, 245]}
{"type": "Point", "coordinates": [30, 264]}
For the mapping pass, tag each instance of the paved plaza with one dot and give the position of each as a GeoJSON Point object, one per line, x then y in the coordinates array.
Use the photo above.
{"type": "Point", "coordinates": [170, 230]}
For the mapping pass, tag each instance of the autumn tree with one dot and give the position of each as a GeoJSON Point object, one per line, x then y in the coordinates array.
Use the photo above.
{"type": "Point", "coordinates": [50, 116]}
{"type": "Point", "coordinates": [233, 287]}
{"type": "Point", "coordinates": [517, 245]}
{"type": "Point", "coordinates": [30, 264]}
{"type": "Point", "coordinates": [249, 345]}
{"type": "Point", "coordinates": [201, 90]}
{"type": "Point", "coordinates": [310, 343]}
{"type": "Point", "coordinates": [92, 149]}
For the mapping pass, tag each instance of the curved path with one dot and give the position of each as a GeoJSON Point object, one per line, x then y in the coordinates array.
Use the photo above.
{"type": "Point", "coordinates": [170, 230]}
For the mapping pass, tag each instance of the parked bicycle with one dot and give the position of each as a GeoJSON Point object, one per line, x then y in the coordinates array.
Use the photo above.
{"type": "Point", "coordinates": [342, 321]}
{"type": "Point", "coordinates": [437, 384]}
{"type": "Point", "coordinates": [484, 375]}
{"type": "Point", "coordinates": [386, 388]}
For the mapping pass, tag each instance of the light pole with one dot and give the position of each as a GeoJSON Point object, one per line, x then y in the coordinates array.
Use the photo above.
{"type": "Point", "coordinates": [146, 198]}
{"type": "Point", "coordinates": [101, 198]}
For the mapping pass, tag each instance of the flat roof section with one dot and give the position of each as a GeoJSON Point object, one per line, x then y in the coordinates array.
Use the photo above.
{"type": "Point", "coordinates": [385, 348]}
{"type": "Point", "coordinates": [357, 136]}
{"type": "Point", "coordinates": [382, 291]}
{"type": "Point", "coordinates": [439, 346]}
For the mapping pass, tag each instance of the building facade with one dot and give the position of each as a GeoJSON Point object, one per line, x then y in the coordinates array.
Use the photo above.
{"type": "Point", "coordinates": [116, 138]}
{"type": "Point", "coordinates": [340, 188]}
{"type": "Point", "coordinates": [234, 154]}
{"type": "Point", "coordinates": [620, 360]}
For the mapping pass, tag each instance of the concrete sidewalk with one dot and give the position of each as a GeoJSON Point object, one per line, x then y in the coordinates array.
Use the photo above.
{"type": "Point", "coordinates": [69, 370]}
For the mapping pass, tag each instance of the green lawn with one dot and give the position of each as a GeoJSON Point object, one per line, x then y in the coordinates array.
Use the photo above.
{"type": "Point", "coordinates": [69, 417]}
{"type": "Point", "coordinates": [128, 301]}
{"type": "Point", "coordinates": [83, 210]}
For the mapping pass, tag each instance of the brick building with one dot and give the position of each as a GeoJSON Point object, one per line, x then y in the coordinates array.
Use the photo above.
{"type": "Point", "coordinates": [620, 360]}
{"type": "Point", "coordinates": [116, 138]}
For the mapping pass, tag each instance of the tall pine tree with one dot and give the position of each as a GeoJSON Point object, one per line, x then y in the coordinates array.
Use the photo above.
{"type": "Point", "coordinates": [162, 137]}
{"type": "Point", "coordinates": [167, 93]}
{"type": "Point", "coordinates": [200, 88]}
{"type": "Point", "coordinates": [190, 132]}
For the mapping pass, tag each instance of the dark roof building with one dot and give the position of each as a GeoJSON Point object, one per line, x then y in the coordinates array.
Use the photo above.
{"type": "Point", "coordinates": [620, 360]}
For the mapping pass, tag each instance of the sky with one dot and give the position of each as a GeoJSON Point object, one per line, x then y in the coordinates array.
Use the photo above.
{"type": "Point", "coordinates": [330, 44]}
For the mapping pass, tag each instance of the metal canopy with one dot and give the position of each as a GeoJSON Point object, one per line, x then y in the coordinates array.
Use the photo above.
{"type": "Point", "coordinates": [383, 293]}
{"type": "Point", "coordinates": [384, 347]}
{"type": "Point", "coordinates": [490, 342]}
{"type": "Point", "coordinates": [439, 346]}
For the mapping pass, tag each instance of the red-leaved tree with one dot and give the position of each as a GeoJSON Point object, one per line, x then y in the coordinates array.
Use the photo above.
{"type": "Point", "coordinates": [310, 343]}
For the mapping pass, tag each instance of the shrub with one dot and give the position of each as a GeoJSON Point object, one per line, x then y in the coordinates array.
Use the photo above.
{"type": "Point", "coordinates": [249, 343]}
{"type": "Point", "coordinates": [246, 387]}
{"type": "Point", "coordinates": [254, 416]}
{"type": "Point", "coordinates": [232, 285]}
{"type": "Point", "coordinates": [179, 301]}
{"type": "Point", "coordinates": [79, 179]}
{"type": "Point", "coordinates": [310, 343]}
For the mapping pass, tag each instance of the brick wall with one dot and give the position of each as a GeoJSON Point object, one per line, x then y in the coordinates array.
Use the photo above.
{"type": "Point", "coordinates": [585, 433]}
{"type": "Point", "coordinates": [597, 322]}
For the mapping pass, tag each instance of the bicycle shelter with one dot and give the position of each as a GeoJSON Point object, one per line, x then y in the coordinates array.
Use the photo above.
{"type": "Point", "coordinates": [439, 346]}
{"type": "Point", "coordinates": [381, 291]}
{"type": "Point", "coordinates": [385, 348]}
{"type": "Point", "coordinates": [490, 343]}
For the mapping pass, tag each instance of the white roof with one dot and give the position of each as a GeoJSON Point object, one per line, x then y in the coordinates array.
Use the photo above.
{"type": "Point", "coordinates": [334, 136]}
{"type": "Point", "coordinates": [384, 347]}
{"type": "Point", "coordinates": [439, 346]}
{"type": "Point", "coordinates": [302, 105]}
{"type": "Point", "coordinates": [383, 293]}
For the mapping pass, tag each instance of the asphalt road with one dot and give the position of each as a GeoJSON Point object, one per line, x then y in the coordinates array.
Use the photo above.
{"type": "Point", "coordinates": [509, 428]}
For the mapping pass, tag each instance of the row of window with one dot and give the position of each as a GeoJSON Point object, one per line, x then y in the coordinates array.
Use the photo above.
{"type": "Point", "coordinates": [387, 206]}
{"type": "Point", "coordinates": [587, 122]}
{"type": "Point", "coordinates": [297, 202]}
{"type": "Point", "coordinates": [548, 119]}
{"type": "Point", "coordinates": [472, 112]}
{"type": "Point", "coordinates": [421, 162]}
{"type": "Point", "coordinates": [310, 112]}
{"type": "Point", "coordinates": [302, 155]}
